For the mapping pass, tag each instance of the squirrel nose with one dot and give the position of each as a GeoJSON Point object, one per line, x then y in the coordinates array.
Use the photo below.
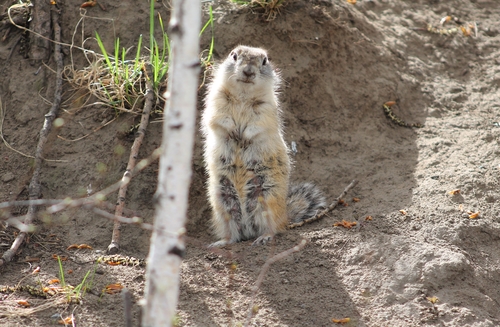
{"type": "Point", "coordinates": [248, 73]}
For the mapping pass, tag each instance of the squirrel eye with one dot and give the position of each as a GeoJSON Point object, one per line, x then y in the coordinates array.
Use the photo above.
{"type": "Point", "coordinates": [264, 62]}
{"type": "Point", "coordinates": [234, 55]}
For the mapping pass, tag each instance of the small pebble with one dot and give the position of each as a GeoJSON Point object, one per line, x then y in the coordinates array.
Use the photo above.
{"type": "Point", "coordinates": [7, 177]}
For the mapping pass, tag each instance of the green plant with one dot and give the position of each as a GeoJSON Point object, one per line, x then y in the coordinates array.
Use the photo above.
{"type": "Point", "coordinates": [119, 82]}
{"type": "Point", "coordinates": [158, 57]}
{"type": "Point", "coordinates": [120, 79]}
{"type": "Point", "coordinates": [75, 294]}
{"type": "Point", "coordinates": [271, 7]}
{"type": "Point", "coordinates": [207, 61]}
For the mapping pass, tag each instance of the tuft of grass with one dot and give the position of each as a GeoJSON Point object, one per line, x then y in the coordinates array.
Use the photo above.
{"type": "Point", "coordinates": [75, 294]}
{"type": "Point", "coordinates": [121, 81]}
{"type": "Point", "coordinates": [118, 81]}
{"type": "Point", "coordinates": [271, 8]}
{"type": "Point", "coordinates": [158, 57]}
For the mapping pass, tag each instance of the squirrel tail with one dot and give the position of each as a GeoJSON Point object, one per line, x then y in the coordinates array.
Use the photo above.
{"type": "Point", "coordinates": [304, 201]}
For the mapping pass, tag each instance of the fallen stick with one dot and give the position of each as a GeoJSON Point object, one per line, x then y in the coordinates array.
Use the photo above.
{"type": "Point", "coordinates": [114, 246]}
{"type": "Point", "coordinates": [35, 187]}
{"type": "Point", "coordinates": [323, 213]}
{"type": "Point", "coordinates": [263, 273]}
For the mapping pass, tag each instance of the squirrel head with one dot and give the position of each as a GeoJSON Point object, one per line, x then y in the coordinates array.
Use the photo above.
{"type": "Point", "coordinates": [248, 68]}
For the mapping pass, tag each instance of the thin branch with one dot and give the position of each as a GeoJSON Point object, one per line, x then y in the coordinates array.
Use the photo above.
{"type": "Point", "coordinates": [134, 153]}
{"type": "Point", "coordinates": [120, 219]}
{"type": "Point", "coordinates": [101, 195]}
{"type": "Point", "coordinates": [18, 221]}
{"type": "Point", "coordinates": [327, 210]}
{"type": "Point", "coordinates": [263, 273]}
{"type": "Point", "coordinates": [35, 187]}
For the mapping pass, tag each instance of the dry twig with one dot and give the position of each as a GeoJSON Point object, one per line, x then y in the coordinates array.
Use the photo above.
{"type": "Point", "coordinates": [327, 210]}
{"type": "Point", "coordinates": [34, 187]}
{"type": "Point", "coordinates": [263, 273]}
{"type": "Point", "coordinates": [114, 246]}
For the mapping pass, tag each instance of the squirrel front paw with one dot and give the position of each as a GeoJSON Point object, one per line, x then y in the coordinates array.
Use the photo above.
{"type": "Point", "coordinates": [263, 239]}
{"type": "Point", "coordinates": [219, 244]}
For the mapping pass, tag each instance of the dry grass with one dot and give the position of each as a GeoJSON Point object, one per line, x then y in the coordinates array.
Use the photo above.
{"type": "Point", "coordinates": [119, 89]}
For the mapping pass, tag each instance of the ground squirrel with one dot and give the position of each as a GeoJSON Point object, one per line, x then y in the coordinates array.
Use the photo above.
{"type": "Point", "coordinates": [246, 156]}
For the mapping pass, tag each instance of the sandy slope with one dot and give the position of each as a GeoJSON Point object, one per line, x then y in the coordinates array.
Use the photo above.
{"type": "Point", "coordinates": [340, 63]}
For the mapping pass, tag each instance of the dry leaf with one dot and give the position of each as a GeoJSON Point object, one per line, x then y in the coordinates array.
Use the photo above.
{"type": "Point", "coordinates": [88, 4]}
{"type": "Point", "coordinates": [72, 246]}
{"type": "Point", "coordinates": [53, 290]}
{"type": "Point", "coordinates": [454, 192]}
{"type": "Point", "coordinates": [66, 321]}
{"type": "Point", "coordinates": [433, 299]}
{"type": "Point", "coordinates": [369, 218]}
{"type": "Point", "coordinates": [341, 201]}
{"type": "Point", "coordinates": [24, 303]}
{"type": "Point", "coordinates": [461, 207]}
{"type": "Point", "coordinates": [54, 281]}
{"type": "Point", "coordinates": [341, 321]}
{"type": "Point", "coordinates": [389, 103]}
{"type": "Point", "coordinates": [346, 224]}
{"type": "Point", "coordinates": [465, 30]}
{"type": "Point", "coordinates": [403, 212]}
{"type": "Point", "coordinates": [84, 246]}
{"type": "Point", "coordinates": [345, 204]}
{"type": "Point", "coordinates": [31, 259]}
{"type": "Point", "coordinates": [355, 199]}
{"type": "Point", "coordinates": [113, 288]}
{"type": "Point", "coordinates": [70, 271]}
{"type": "Point", "coordinates": [352, 2]}
{"type": "Point", "coordinates": [473, 215]}
{"type": "Point", "coordinates": [62, 257]}
{"type": "Point", "coordinates": [36, 271]}
{"type": "Point", "coordinates": [445, 20]}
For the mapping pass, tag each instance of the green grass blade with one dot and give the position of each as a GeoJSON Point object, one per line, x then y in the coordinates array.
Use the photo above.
{"type": "Point", "coordinates": [117, 61]}
{"type": "Point", "coordinates": [61, 272]}
{"type": "Point", "coordinates": [211, 20]}
{"type": "Point", "coordinates": [137, 59]}
{"type": "Point", "coordinates": [103, 50]}
{"type": "Point", "coordinates": [151, 28]}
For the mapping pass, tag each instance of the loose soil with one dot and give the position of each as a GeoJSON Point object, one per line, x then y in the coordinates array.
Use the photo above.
{"type": "Point", "coordinates": [340, 63]}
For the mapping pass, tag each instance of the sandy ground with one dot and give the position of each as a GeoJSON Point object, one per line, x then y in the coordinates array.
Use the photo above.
{"type": "Point", "coordinates": [340, 64]}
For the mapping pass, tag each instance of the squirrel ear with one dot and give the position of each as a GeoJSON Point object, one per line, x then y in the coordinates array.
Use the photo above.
{"type": "Point", "coordinates": [264, 61]}
{"type": "Point", "coordinates": [234, 55]}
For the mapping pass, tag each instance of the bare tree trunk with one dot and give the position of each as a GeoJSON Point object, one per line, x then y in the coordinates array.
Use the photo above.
{"type": "Point", "coordinates": [167, 242]}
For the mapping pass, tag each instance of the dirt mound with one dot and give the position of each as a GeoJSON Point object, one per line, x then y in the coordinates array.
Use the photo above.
{"type": "Point", "coordinates": [340, 64]}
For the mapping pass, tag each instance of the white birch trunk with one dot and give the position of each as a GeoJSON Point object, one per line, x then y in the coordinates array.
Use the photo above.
{"type": "Point", "coordinates": [167, 243]}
